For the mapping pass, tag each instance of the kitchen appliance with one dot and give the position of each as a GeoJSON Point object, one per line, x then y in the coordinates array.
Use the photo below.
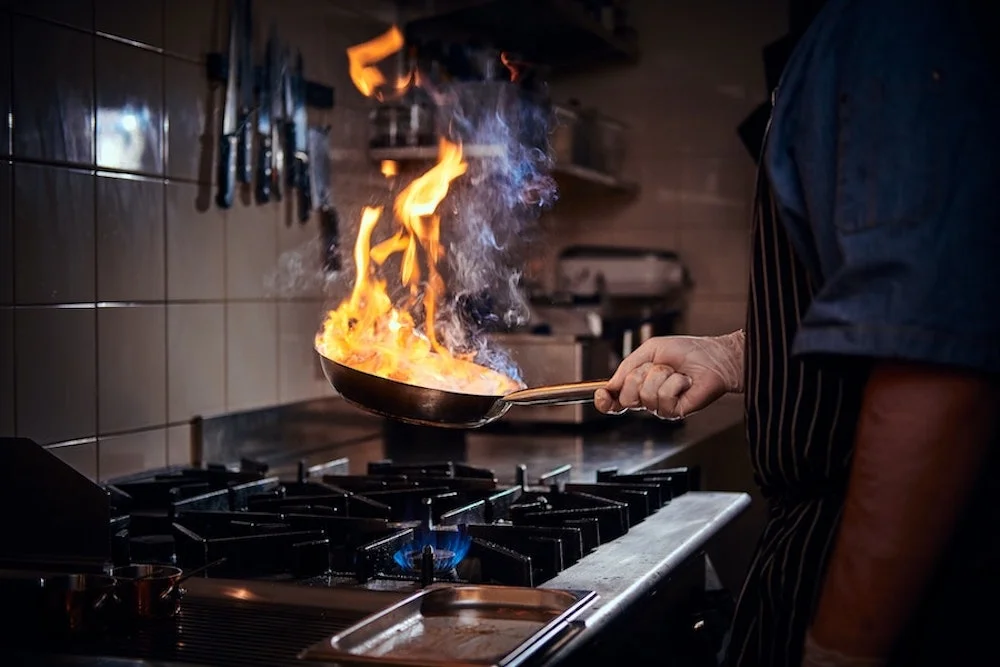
{"type": "Point", "coordinates": [440, 408]}
{"type": "Point", "coordinates": [622, 295]}
{"type": "Point", "coordinates": [326, 553]}
{"type": "Point", "coordinates": [552, 359]}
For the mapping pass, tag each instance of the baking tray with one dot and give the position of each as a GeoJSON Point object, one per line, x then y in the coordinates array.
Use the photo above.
{"type": "Point", "coordinates": [456, 626]}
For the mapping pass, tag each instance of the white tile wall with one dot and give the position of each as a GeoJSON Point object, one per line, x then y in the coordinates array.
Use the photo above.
{"type": "Point", "coordinates": [129, 303]}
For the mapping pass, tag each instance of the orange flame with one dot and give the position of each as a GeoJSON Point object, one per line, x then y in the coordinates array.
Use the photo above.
{"type": "Point", "coordinates": [513, 67]}
{"type": "Point", "coordinates": [367, 331]}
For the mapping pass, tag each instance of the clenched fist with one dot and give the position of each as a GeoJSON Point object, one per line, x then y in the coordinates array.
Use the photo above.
{"type": "Point", "coordinates": [674, 376]}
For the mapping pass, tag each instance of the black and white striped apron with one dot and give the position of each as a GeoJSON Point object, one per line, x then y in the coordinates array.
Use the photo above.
{"type": "Point", "coordinates": [801, 415]}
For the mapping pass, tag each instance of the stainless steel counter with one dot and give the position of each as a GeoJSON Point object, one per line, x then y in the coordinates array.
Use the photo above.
{"type": "Point", "coordinates": [318, 432]}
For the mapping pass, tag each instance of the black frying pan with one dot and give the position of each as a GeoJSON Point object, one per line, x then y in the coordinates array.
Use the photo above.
{"type": "Point", "coordinates": [436, 407]}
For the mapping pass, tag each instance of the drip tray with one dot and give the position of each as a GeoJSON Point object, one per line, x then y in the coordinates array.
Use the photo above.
{"type": "Point", "coordinates": [457, 625]}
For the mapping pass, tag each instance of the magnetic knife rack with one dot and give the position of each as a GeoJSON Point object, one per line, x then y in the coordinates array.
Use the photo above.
{"type": "Point", "coordinates": [317, 95]}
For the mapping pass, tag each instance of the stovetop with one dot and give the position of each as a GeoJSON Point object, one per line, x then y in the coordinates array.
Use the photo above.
{"type": "Point", "coordinates": [397, 526]}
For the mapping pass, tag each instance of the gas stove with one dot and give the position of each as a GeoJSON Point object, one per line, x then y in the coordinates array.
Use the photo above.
{"type": "Point", "coordinates": [293, 559]}
{"type": "Point", "coordinates": [397, 526]}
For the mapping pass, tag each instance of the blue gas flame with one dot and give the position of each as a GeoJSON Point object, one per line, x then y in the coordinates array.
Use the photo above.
{"type": "Point", "coordinates": [450, 547]}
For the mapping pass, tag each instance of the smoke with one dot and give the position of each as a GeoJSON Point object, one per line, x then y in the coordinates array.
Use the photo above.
{"type": "Point", "coordinates": [491, 212]}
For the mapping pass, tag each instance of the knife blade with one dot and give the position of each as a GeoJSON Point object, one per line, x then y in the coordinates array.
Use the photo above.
{"type": "Point", "coordinates": [265, 152]}
{"type": "Point", "coordinates": [247, 82]}
{"type": "Point", "coordinates": [300, 121]}
{"type": "Point", "coordinates": [289, 125]}
{"type": "Point", "coordinates": [228, 138]}
{"type": "Point", "coordinates": [329, 222]}
{"type": "Point", "coordinates": [277, 116]}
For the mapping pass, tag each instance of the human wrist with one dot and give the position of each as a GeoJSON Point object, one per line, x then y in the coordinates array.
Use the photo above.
{"type": "Point", "coordinates": [733, 346]}
{"type": "Point", "coordinates": [814, 655]}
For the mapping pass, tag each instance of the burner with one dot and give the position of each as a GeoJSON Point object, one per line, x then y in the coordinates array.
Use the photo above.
{"type": "Point", "coordinates": [447, 547]}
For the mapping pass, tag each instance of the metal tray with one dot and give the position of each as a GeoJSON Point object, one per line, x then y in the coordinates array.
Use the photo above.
{"type": "Point", "coordinates": [456, 626]}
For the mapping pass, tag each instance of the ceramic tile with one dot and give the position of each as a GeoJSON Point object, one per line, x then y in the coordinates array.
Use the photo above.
{"type": "Point", "coordinates": [52, 92]}
{"type": "Point", "coordinates": [132, 373]}
{"type": "Point", "coordinates": [130, 239]}
{"type": "Point", "coordinates": [298, 379]}
{"type": "Point", "coordinates": [53, 235]}
{"type": "Point", "coordinates": [121, 455]}
{"type": "Point", "coordinates": [6, 372]}
{"type": "Point", "coordinates": [195, 244]}
{"type": "Point", "coordinates": [251, 250]}
{"type": "Point", "coordinates": [196, 360]}
{"type": "Point", "coordinates": [298, 271]}
{"type": "Point", "coordinates": [4, 84]}
{"type": "Point", "coordinates": [718, 259]}
{"type": "Point", "coordinates": [77, 13]}
{"type": "Point", "coordinates": [139, 21]}
{"type": "Point", "coordinates": [56, 373]}
{"type": "Point", "coordinates": [251, 355]}
{"type": "Point", "coordinates": [710, 316]}
{"type": "Point", "coordinates": [129, 107]}
{"type": "Point", "coordinates": [6, 237]}
{"type": "Point", "coordinates": [194, 28]}
{"type": "Point", "coordinates": [179, 445]}
{"type": "Point", "coordinates": [82, 457]}
{"type": "Point", "coordinates": [194, 114]}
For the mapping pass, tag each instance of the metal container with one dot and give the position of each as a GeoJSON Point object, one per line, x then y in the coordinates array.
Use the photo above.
{"type": "Point", "coordinates": [458, 626]}
{"type": "Point", "coordinates": [610, 141]}
{"type": "Point", "coordinates": [557, 359]}
{"type": "Point", "coordinates": [149, 591]}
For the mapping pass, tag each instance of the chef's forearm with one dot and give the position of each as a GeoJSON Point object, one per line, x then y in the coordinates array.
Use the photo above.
{"type": "Point", "coordinates": [922, 435]}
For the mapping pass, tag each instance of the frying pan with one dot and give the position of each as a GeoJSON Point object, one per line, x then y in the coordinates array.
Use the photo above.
{"type": "Point", "coordinates": [436, 407]}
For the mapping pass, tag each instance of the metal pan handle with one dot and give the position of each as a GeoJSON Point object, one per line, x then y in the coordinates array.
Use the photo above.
{"type": "Point", "coordinates": [556, 394]}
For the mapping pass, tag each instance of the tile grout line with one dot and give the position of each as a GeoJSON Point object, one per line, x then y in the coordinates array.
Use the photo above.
{"type": "Point", "coordinates": [164, 161]}
{"type": "Point", "coordinates": [93, 184]}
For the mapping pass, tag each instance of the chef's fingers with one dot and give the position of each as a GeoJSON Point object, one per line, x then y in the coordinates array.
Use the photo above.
{"type": "Point", "coordinates": [607, 403]}
{"type": "Point", "coordinates": [642, 355]}
{"type": "Point", "coordinates": [629, 395]}
{"type": "Point", "coordinates": [649, 391]}
{"type": "Point", "coordinates": [670, 395]}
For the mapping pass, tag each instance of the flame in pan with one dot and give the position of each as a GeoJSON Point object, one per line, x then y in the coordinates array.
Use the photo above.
{"type": "Point", "coordinates": [367, 331]}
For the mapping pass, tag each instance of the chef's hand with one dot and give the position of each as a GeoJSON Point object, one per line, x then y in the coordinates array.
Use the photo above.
{"type": "Point", "coordinates": [814, 655]}
{"type": "Point", "coordinates": [674, 376]}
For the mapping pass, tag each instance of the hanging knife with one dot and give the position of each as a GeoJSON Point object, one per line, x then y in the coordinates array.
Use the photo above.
{"type": "Point", "coordinates": [329, 223]}
{"type": "Point", "coordinates": [300, 121]}
{"type": "Point", "coordinates": [265, 152]}
{"type": "Point", "coordinates": [288, 88]}
{"type": "Point", "coordinates": [247, 82]}
{"type": "Point", "coordinates": [228, 138]}
{"type": "Point", "coordinates": [277, 91]}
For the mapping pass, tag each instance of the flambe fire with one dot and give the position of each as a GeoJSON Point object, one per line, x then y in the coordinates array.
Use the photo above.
{"type": "Point", "coordinates": [367, 331]}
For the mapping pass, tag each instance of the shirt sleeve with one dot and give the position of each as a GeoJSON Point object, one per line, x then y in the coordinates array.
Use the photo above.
{"type": "Point", "coordinates": [914, 234]}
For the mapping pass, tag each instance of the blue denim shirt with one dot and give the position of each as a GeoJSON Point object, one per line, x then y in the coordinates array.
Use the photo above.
{"type": "Point", "coordinates": [884, 159]}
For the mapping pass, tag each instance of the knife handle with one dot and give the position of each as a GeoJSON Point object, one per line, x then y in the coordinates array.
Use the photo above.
{"type": "Point", "coordinates": [305, 189]}
{"type": "Point", "coordinates": [330, 229]}
{"type": "Point", "coordinates": [227, 171]}
{"type": "Point", "coordinates": [264, 158]}
{"type": "Point", "coordinates": [245, 154]}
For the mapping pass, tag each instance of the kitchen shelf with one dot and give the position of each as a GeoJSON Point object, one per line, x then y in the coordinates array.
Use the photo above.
{"type": "Point", "coordinates": [555, 33]}
{"type": "Point", "coordinates": [412, 153]}
{"type": "Point", "coordinates": [427, 153]}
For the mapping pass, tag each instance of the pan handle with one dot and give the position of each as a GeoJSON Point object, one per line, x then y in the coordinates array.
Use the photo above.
{"type": "Point", "coordinates": [556, 394]}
